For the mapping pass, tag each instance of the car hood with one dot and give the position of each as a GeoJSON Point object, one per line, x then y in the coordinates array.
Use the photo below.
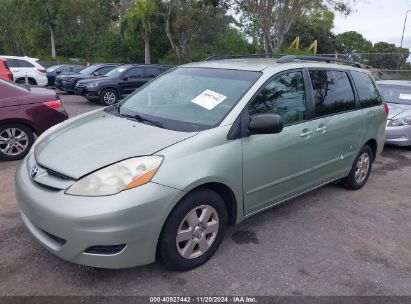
{"type": "Point", "coordinates": [84, 144]}
{"type": "Point", "coordinates": [398, 110]}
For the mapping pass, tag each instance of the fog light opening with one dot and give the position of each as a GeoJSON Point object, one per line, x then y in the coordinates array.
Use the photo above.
{"type": "Point", "coordinates": [105, 249]}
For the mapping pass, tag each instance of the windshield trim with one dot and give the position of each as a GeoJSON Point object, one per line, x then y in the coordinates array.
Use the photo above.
{"type": "Point", "coordinates": [181, 124]}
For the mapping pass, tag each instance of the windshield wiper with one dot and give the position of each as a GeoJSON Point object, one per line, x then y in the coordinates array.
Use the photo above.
{"type": "Point", "coordinates": [143, 119]}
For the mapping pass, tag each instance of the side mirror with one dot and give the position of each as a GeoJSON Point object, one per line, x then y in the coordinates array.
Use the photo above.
{"type": "Point", "coordinates": [96, 74]}
{"type": "Point", "coordinates": [125, 78]}
{"type": "Point", "coordinates": [265, 124]}
{"type": "Point", "coordinates": [58, 72]}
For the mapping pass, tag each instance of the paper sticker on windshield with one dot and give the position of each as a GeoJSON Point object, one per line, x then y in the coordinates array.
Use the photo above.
{"type": "Point", "coordinates": [209, 99]}
{"type": "Point", "coordinates": [405, 96]}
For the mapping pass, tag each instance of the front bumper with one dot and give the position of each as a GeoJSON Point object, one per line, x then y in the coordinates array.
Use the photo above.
{"type": "Point", "coordinates": [399, 136]}
{"type": "Point", "coordinates": [67, 86]}
{"type": "Point", "coordinates": [87, 93]}
{"type": "Point", "coordinates": [134, 218]}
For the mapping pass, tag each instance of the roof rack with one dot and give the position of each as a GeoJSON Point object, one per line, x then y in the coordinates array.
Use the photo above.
{"type": "Point", "coordinates": [264, 55]}
{"type": "Point", "coordinates": [287, 58]}
{"type": "Point", "coordinates": [291, 58]}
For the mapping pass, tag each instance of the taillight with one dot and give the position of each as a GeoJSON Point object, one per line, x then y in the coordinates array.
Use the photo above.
{"type": "Point", "coordinates": [54, 104]}
{"type": "Point", "coordinates": [42, 70]}
{"type": "Point", "coordinates": [387, 109]}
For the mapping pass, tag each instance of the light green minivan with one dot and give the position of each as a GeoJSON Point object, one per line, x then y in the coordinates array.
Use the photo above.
{"type": "Point", "coordinates": [203, 146]}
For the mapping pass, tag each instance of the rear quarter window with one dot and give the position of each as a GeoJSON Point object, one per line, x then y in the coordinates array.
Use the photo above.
{"type": "Point", "coordinates": [367, 90]}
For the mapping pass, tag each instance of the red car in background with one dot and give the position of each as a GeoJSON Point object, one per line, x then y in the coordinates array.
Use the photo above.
{"type": "Point", "coordinates": [5, 72]}
{"type": "Point", "coordinates": [25, 112]}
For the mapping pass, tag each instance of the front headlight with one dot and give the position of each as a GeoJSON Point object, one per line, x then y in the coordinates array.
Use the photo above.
{"type": "Point", "coordinates": [404, 121]}
{"type": "Point", "coordinates": [124, 175]}
{"type": "Point", "coordinates": [92, 84]}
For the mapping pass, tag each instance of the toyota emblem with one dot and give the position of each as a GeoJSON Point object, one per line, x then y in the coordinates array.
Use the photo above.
{"type": "Point", "coordinates": [34, 171]}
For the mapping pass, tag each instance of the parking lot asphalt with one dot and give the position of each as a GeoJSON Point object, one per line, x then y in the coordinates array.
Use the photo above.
{"type": "Point", "coordinates": [328, 242]}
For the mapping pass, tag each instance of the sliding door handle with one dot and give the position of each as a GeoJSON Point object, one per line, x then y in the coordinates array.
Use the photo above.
{"type": "Point", "coordinates": [306, 133]}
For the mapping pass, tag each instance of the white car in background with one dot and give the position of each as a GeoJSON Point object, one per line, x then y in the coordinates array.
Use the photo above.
{"type": "Point", "coordinates": [22, 66]}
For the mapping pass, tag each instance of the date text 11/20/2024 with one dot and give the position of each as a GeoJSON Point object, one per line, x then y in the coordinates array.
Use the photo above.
{"type": "Point", "coordinates": [186, 299]}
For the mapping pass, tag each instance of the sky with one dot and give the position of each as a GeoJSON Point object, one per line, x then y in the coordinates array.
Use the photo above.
{"type": "Point", "coordinates": [378, 20]}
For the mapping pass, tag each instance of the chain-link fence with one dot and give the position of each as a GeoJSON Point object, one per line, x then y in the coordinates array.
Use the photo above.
{"type": "Point", "coordinates": [383, 65]}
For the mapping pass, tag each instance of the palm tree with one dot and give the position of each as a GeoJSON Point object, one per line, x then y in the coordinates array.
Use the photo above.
{"type": "Point", "coordinates": [138, 19]}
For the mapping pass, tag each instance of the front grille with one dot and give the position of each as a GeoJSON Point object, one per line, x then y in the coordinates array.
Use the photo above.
{"type": "Point", "coordinates": [57, 239]}
{"type": "Point", "coordinates": [105, 250]}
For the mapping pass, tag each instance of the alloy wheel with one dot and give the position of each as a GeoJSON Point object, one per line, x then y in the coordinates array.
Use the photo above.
{"type": "Point", "coordinates": [197, 231]}
{"type": "Point", "coordinates": [109, 98]}
{"type": "Point", "coordinates": [13, 141]}
{"type": "Point", "coordinates": [362, 168]}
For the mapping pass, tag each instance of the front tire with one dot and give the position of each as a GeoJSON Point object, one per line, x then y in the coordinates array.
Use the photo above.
{"type": "Point", "coordinates": [193, 231]}
{"type": "Point", "coordinates": [108, 97]}
{"type": "Point", "coordinates": [15, 141]}
{"type": "Point", "coordinates": [360, 170]}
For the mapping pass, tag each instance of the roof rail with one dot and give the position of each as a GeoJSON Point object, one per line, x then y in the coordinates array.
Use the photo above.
{"type": "Point", "coordinates": [291, 58]}
{"type": "Point", "coordinates": [264, 55]}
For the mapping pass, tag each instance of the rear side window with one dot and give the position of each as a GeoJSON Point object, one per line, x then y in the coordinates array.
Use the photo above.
{"type": "Point", "coordinates": [284, 95]}
{"type": "Point", "coordinates": [12, 63]}
{"type": "Point", "coordinates": [367, 90]}
{"type": "Point", "coordinates": [332, 92]}
{"type": "Point", "coordinates": [134, 73]}
{"type": "Point", "coordinates": [25, 64]}
{"type": "Point", "coordinates": [18, 63]}
{"type": "Point", "coordinates": [151, 72]}
{"type": "Point", "coordinates": [105, 70]}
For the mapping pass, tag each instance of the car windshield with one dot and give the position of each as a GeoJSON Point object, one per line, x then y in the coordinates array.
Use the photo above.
{"type": "Point", "coordinates": [117, 71]}
{"type": "Point", "coordinates": [396, 94]}
{"type": "Point", "coordinates": [189, 99]}
{"type": "Point", "coordinates": [89, 70]}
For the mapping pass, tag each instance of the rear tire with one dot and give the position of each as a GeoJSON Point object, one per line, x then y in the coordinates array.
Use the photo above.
{"type": "Point", "coordinates": [15, 141]}
{"type": "Point", "coordinates": [193, 230]}
{"type": "Point", "coordinates": [360, 170]}
{"type": "Point", "coordinates": [108, 97]}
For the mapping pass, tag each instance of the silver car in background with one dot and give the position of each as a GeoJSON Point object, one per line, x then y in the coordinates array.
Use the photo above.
{"type": "Point", "coordinates": [397, 94]}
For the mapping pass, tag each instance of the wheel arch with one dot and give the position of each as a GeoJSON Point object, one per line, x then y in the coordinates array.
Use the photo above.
{"type": "Point", "coordinates": [109, 87]}
{"type": "Point", "coordinates": [226, 194]}
{"type": "Point", "coordinates": [24, 122]}
{"type": "Point", "coordinates": [372, 143]}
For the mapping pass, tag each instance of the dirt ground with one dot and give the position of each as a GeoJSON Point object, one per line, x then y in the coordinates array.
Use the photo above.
{"type": "Point", "coordinates": [329, 242]}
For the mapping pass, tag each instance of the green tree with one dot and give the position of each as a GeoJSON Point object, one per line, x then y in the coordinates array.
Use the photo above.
{"type": "Point", "coordinates": [184, 20]}
{"type": "Point", "coordinates": [274, 18]}
{"type": "Point", "coordinates": [352, 42]}
{"type": "Point", "coordinates": [388, 56]}
{"type": "Point", "coordinates": [316, 25]}
{"type": "Point", "coordinates": [139, 19]}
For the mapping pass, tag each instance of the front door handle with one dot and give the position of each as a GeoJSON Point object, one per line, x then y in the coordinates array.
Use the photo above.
{"type": "Point", "coordinates": [306, 133]}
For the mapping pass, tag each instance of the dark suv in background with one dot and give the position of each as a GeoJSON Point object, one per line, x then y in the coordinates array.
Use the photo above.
{"type": "Point", "coordinates": [67, 82]}
{"type": "Point", "coordinates": [118, 83]}
{"type": "Point", "coordinates": [61, 69]}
